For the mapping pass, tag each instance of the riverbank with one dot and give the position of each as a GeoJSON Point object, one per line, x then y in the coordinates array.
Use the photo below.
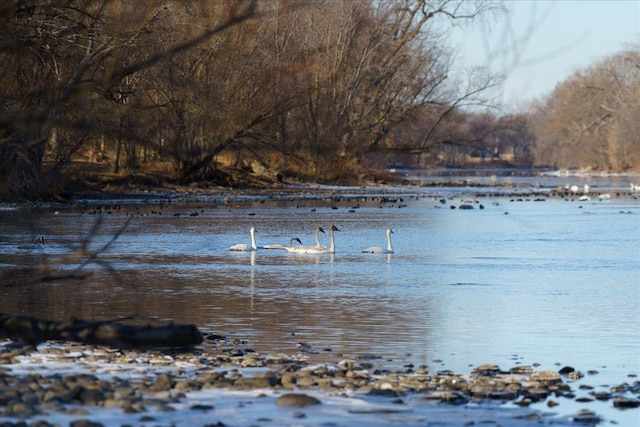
{"type": "Point", "coordinates": [224, 383]}
{"type": "Point", "coordinates": [481, 183]}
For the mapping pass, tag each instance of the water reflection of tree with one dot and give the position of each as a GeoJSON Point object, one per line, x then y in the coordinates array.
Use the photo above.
{"type": "Point", "coordinates": [137, 330]}
{"type": "Point", "coordinates": [72, 265]}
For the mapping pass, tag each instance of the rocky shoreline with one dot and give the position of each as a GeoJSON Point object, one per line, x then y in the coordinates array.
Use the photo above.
{"type": "Point", "coordinates": [73, 379]}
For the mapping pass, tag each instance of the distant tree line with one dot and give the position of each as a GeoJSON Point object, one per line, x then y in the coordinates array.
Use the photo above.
{"type": "Point", "coordinates": [318, 91]}
{"type": "Point", "coordinates": [592, 119]}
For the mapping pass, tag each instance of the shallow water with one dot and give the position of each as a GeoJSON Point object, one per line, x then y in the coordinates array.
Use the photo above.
{"type": "Point", "coordinates": [553, 282]}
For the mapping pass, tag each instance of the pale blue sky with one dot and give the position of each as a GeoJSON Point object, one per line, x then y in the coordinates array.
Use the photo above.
{"type": "Point", "coordinates": [541, 43]}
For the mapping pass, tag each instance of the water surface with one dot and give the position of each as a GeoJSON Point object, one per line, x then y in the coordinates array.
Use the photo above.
{"type": "Point", "coordinates": [551, 281]}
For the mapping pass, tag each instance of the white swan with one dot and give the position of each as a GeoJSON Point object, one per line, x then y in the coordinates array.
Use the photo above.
{"type": "Point", "coordinates": [273, 246]}
{"type": "Point", "coordinates": [318, 249]}
{"type": "Point", "coordinates": [308, 249]}
{"type": "Point", "coordinates": [318, 231]}
{"type": "Point", "coordinates": [332, 243]}
{"type": "Point", "coordinates": [295, 239]}
{"type": "Point", "coordinates": [281, 246]}
{"type": "Point", "coordinates": [38, 243]}
{"type": "Point", "coordinates": [244, 246]}
{"type": "Point", "coordinates": [379, 250]}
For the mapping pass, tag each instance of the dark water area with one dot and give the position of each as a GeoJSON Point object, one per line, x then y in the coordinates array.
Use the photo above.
{"type": "Point", "coordinates": [553, 281]}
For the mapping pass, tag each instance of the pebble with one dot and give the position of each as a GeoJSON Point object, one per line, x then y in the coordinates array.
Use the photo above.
{"type": "Point", "coordinates": [522, 370]}
{"type": "Point", "coordinates": [486, 369]}
{"type": "Point", "coordinates": [585, 416]}
{"type": "Point", "coordinates": [546, 377]}
{"type": "Point", "coordinates": [625, 402]}
{"type": "Point", "coordinates": [297, 400]}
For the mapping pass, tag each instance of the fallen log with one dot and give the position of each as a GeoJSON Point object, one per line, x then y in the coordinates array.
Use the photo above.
{"type": "Point", "coordinates": [108, 333]}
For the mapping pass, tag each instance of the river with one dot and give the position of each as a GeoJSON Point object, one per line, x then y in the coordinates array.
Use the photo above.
{"type": "Point", "coordinates": [524, 277]}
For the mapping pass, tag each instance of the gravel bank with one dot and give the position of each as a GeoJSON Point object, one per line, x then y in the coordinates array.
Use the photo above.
{"type": "Point", "coordinates": [77, 382]}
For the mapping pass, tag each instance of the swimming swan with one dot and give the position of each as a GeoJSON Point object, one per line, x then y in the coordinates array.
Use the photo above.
{"type": "Point", "coordinates": [281, 246]}
{"type": "Point", "coordinates": [317, 249]}
{"type": "Point", "coordinates": [244, 246]}
{"type": "Point", "coordinates": [273, 246]}
{"type": "Point", "coordinates": [332, 243]}
{"type": "Point", "coordinates": [308, 249]}
{"type": "Point", "coordinates": [295, 239]}
{"type": "Point", "coordinates": [379, 250]}
{"type": "Point", "coordinates": [318, 231]}
{"type": "Point", "coordinates": [38, 243]}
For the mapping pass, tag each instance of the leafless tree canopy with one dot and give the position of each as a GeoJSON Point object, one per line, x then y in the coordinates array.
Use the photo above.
{"type": "Point", "coordinates": [313, 89]}
{"type": "Point", "coordinates": [298, 85]}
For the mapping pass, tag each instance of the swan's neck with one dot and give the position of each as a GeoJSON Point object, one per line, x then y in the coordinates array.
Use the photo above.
{"type": "Point", "coordinates": [389, 246]}
{"type": "Point", "coordinates": [317, 238]}
{"type": "Point", "coordinates": [332, 243]}
{"type": "Point", "coordinates": [253, 239]}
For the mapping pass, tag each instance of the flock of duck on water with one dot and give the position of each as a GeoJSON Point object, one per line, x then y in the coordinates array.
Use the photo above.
{"type": "Point", "coordinates": [318, 248]}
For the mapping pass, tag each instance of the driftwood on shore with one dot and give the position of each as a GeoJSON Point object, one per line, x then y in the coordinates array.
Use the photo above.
{"type": "Point", "coordinates": [109, 333]}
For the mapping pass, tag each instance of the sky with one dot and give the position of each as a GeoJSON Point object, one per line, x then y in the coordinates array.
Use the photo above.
{"type": "Point", "coordinates": [538, 44]}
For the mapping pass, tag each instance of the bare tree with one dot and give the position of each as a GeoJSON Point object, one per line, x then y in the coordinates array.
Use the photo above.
{"type": "Point", "coordinates": [60, 60]}
{"type": "Point", "coordinates": [588, 120]}
{"type": "Point", "coordinates": [317, 85]}
{"type": "Point", "coordinates": [379, 65]}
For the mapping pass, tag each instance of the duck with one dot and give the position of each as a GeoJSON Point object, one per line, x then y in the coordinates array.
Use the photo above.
{"type": "Point", "coordinates": [244, 246]}
{"type": "Point", "coordinates": [379, 250]}
{"type": "Point", "coordinates": [38, 243]}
